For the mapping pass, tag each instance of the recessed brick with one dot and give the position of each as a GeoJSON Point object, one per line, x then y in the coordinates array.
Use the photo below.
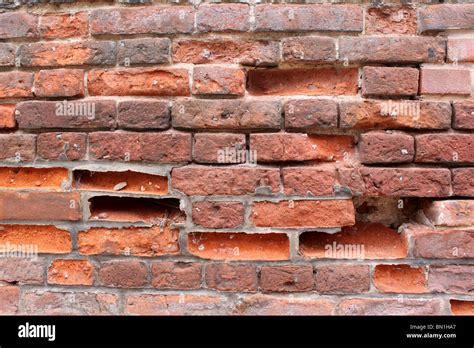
{"type": "Point", "coordinates": [400, 279]}
{"type": "Point", "coordinates": [445, 81]}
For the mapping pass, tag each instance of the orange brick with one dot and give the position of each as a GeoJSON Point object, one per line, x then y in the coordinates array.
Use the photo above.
{"type": "Point", "coordinates": [33, 178]}
{"type": "Point", "coordinates": [71, 272]}
{"type": "Point", "coordinates": [400, 279]}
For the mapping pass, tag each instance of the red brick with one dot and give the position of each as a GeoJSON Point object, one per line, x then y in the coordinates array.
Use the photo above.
{"type": "Point", "coordinates": [445, 81]}
{"type": "Point", "coordinates": [287, 278]}
{"type": "Point", "coordinates": [144, 51]}
{"type": "Point", "coordinates": [362, 241]}
{"type": "Point", "coordinates": [18, 25]}
{"type": "Point", "coordinates": [260, 304]}
{"type": "Point", "coordinates": [463, 185]}
{"type": "Point", "coordinates": [299, 147]}
{"type": "Point", "coordinates": [71, 272]}
{"type": "Point", "coordinates": [373, 114]}
{"type": "Point", "coordinates": [390, 19]}
{"type": "Point", "coordinates": [236, 51]}
{"type": "Point", "coordinates": [67, 53]}
{"type": "Point", "coordinates": [134, 114]}
{"type": "Point", "coordinates": [150, 147]}
{"type": "Point", "coordinates": [70, 303]}
{"type": "Point", "coordinates": [390, 81]}
{"type": "Point", "coordinates": [226, 114]}
{"type": "Point", "coordinates": [390, 306]}
{"type": "Point", "coordinates": [222, 18]}
{"type": "Point", "coordinates": [219, 148]}
{"type": "Point", "coordinates": [386, 147]}
{"type": "Point", "coordinates": [17, 147]}
{"type": "Point", "coordinates": [40, 206]}
{"type": "Point", "coordinates": [310, 113]}
{"type": "Point", "coordinates": [400, 279]}
{"type": "Point", "coordinates": [461, 49]}
{"type": "Point", "coordinates": [59, 83]}
{"type": "Point", "coordinates": [446, 16]}
{"type": "Point", "coordinates": [142, 20]}
{"type": "Point", "coordinates": [463, 115]}
{"type": "Point", "coordinates": [216, 214]}
{"type": "Point", "coordinates": [450, 213]}
{"type": "Point", "coordinates": [399, 182]}
{"type": "Point", "coordinates": [123, 274]}
{"type": "Point", "coordinates": [231, 277]}
{"type": "Point", "coordinates": [33, 178]}
{"type": "Point", "coordinates": [451, 279]}
{"type": "Point", "coordinates": [283, 17]}
{"type": "Point", "coordinates": [9, 299]}
{"type": "Point", "coordinates": [7, 54]}
{"type": "Point", "coordinates": [304, 213]}
{"type": "Point", "coordinates": [213, 80]}
{"type": "Point", "coordinates": [48, 239]}
{"type": "Point", "coordinates": [450, 148]}
{"type": "Point", "coordinates": [326, 81]}
{"type": "Point", "coordinates": [342, 278]}
{"type": "Point", "coordinates": [204, 181]}
{"type": "Point", "coordinates": [139, 82]}
{"type": "Point", "coordinates": [136, 182]}
{"type": "Point", "coordinates": [16, 84]}
{"type": "Point", "coordinates": [401, 49]}
{"type": "Point", "coordinates": [62, 146]}
{"type": "Point", "coordinates": [309, 181]}
{"type": "Point", "coordinates": [64, 25]}
{"type": "Point", "coordinates": [309, 49]}
{"type": "Point", "coordinates": [135, 241]}
{"type": "Point", "coordinates": [176, 275]}
{"type": "Point", "coordinates": [460, 307]}
{"type": "Point", "coordinates": [239, 246]}
{"type": "Point", "coordinates": [7, 116]}
{"type": "Point", "coordinates": [21, 270]}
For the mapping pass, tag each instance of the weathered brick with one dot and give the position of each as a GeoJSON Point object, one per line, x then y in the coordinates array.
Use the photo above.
{"type": "Point", "coordinates": [390, 19]}
{"type": "Point", "coordinates": [213, 80]}
{"type": "Point", "coordinates": [321, 81]}
{"type": "Point", "coordinates": [463, 185]}
{"type": "Point", "coordinates": [176, 275]}
{"type": "Point", "coordinates": [216, 214]}
{"type": "Point", "coordinates": [222, 17]}
{"type": "Point", "coordinates": [64, 25]}
{"type": "Point", "coordinates": [400, 279]}
{"type": "Point", "coordinates": [310, 113]}
{"type": "Point", "coordinates": [445, 81]}
{"type": "Point", "coordinates": [40, 206]}
{"type": "Point", "coordinates": [7, 116]}
{"type": "Point", "coordinates": [17, 147]}
{"type": "Point", "coordinates": [450, 213]}
{"type": "Point", "coordinates": [383, 147]}
{"type": "Point", "coordinates": [61, 146]}
{"type": "Point", "coordinates": [451, 148]}
{"type": "Point", "coordinates": [142, 20]}
{"type": "Point", "coordinates": [219, 148]}
{"type": "Point", "coordinates": [71, 272]}
{"type": "Point", "coordinates": [231, 277]}
{"type": "Point", "coordinates": [260, 304]}
{"type": "Point", "coordinates": [150, 147]}
{"type": "Point", "coordinates": [373, 114]}
{"type": "Point", "coordinates": [362, 241]}
{"type": "Point", "coordinates": [133, 241]}
{"type": "Point", "coordinates": [284, 17]}
{"type": "Point", "coordinates": [68, 53]}
{"type": "Point", "coordinates": [389, 81]}
{"type": "Point", "coordinates": [460, 307]}
{"type": "Point", "coordinates": [18, 25]}
{"type": "Point", "coordinates": [139, 82]}
{"type": "Point", "coordinates": [342, 278]}
{"type": "Point", "coordinates": [144, 51]}
{"type": "Point", "coordinates": [9, 299]}
{"type": "Point", "coordinates": [59, 83]}
{"type": "Point", "coordinates": [451, 279]}
{"type": "Point", "coordinates": [7, 54]}
{"type": "Point", "coordinates": [123, 274]}
{"type": "Point", "coordinates": [204, 181]}
{"type": "Point", "coordinates": [143, 114]}
{"type": "Point", "coordinates": [303, 213]}
{"type": "Point", "coordinates": [245, 52]}
{"type": "Point", "coordinates": [400, 49]}
{"type": "Point", "coordinates": [399, 182]}
{"type": "Point", "coordinates": [299, 147]}
{"type": "Point", "coordinates": [461, 49]}
{"type": "Point", "coordinates": [77, 114]}
{"type": "Point", "coordinates": [377, 306]}
{"type": "Point", "coordinates": [443, 244]}
{"type": "Point", "coordinates": [239, 246]}
{"type": "Point", "coordinates": [309, 49]}
{"type": "Point", "coordinates": [446, 16]}
{"type": "Point", "coordinates": [309, 181]}
{"type": "Point", "coordinates": [20, 270]}
{"type": "Point", "coordinates": [287, 278]}
{"type": "Point", "coordinates": [47, 239]}
{"type": "Point", "coordinates": [16, 84]}
{"type": "Point", "coordinates": [463, 115]}
{"type": "Point", "coordinates": [31, 178]}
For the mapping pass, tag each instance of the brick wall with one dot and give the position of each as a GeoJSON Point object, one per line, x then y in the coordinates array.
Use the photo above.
{"type": "Point", "coordinates": [237, 158]}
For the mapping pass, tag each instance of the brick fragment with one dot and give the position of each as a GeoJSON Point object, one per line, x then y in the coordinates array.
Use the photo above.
{"type": "Point", "coordinates": [287, 278]}
{"type": "Point", "coordinates": [230, 277]}
{"type": "Point", "coordinates": [176, 275]}
{"type": "Point", "coordinates": [47, 239]}
{"type": "Point", "coordinates": [382, 147]}
{"type": "Point", "coordinates": [123, 274]}
{"type": "Point", "coordinates": [62, 146]}
{"type": "Point", "coordinates": [218, 214]}
{"type": "Point", "coordinates": [445, 81]}
{"type": "Point", "coordinates": [71, 272]}
{"type": "Point", "coordinates": [400, 279]}
{"type": "Point", "coordinates": [388, 81]}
